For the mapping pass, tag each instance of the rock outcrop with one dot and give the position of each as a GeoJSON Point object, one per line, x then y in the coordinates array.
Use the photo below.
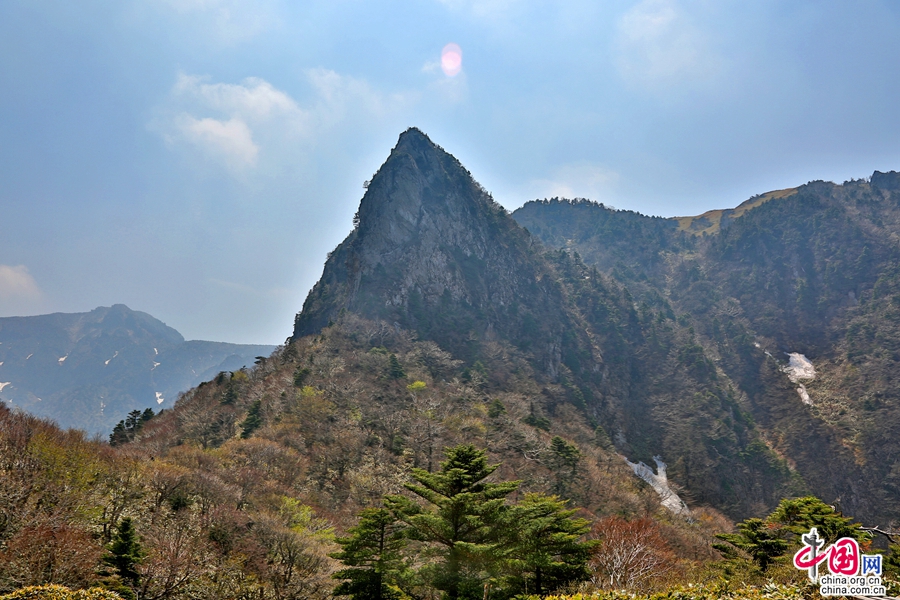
{"type": "Point", "coordinates": [432, 252]}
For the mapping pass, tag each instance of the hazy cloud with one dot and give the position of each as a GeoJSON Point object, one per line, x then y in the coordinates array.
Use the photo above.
{"type": "Point", "coordinates": [576, 180]}
{"type": "Point", "coordinates": [254, 97]}
{"type": "Point", "coordinates": [658, 45]}
{"type": "Point", "coordinates": [19, 292]}
{"type": "Point", "coordinates": [230, 139]}
{"type": "Point", "coordinates": [254, 124]}
{"type": "Point", "coordinates": [227, 21]}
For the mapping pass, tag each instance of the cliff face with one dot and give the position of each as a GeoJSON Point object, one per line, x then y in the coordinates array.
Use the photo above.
{"type": "Point", "coordinates": [434, 253]}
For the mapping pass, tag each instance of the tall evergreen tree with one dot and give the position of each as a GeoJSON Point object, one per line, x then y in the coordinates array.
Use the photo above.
{"type": "Point", "coordinates": [798, 515]}
{"type": "Point", "coordinates": [543, 551]}
{"type": "Point", "coordinates": [373, 553]}
{"type": "Point", "coordinates": [124, 555]}
{"type": "Point", "coordinates": [253, 420]}
{"type": "Point", "coordinates": [755, 538]}
{"type": "Point", "coordinates": [461, 522]}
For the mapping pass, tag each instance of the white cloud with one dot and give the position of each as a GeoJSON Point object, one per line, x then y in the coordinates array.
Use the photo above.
{"type": "Point", "coordinates": [17, 282]}
{"type": "Point", "coordinates": [19, 292]}
{"type": "Point", "coordinates": [230, 139]}
{"type": "Point", "coordinates": [658, 45]}
{"type": "Point", "coordinates": [254, 97]}
{"type": "Point", "coordinates": [253, 125]}
{"type": "Point", "coordinates": [576, 180]}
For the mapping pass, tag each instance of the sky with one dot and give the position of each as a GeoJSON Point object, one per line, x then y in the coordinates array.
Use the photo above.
{"type": "Point", "coordinates": [198, 159]}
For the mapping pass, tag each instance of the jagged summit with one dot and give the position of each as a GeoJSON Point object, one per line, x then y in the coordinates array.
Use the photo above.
{"type": "Point", "coordinates": [420, 190]}
{"type": "Point", "coordinates": [434, 253]}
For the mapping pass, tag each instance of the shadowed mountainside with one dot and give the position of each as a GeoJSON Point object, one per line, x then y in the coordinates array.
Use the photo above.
{"type": "Point", "coordinates": [87, 370]}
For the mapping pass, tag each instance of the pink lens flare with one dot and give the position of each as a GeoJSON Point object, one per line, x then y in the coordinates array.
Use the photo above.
{"type": "Point", "coordinates": [451, 59]}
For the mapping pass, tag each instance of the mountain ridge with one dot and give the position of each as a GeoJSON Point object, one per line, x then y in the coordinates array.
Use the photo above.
{"type": "Point", "coordinates": [88, 369]}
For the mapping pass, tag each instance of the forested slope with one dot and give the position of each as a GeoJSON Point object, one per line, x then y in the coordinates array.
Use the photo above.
{"type": "Point", "coordinates": [810, 271]}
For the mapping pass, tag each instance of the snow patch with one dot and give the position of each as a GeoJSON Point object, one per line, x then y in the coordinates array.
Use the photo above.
{"type": "Point", "coordinates": [156, 364]}
{"type": "Point", "coordinates": [63, 359]}
{"type": "Point", "coordinates": [155, 352]}
{"type": "Point", "coordinates": [113, 356]}
{"type": "Point", "coordinates": [660, 483]}
{"type": "Point", "coordinates": [159, 398]}
{"type": "Point", "coordinates": [799, 367]}
{"type": "Point", "coordinates": [3, 384]}
{"type": "Point", "coordinates": [29, 356]}
{"type": "Point", "coordinates": [1, 363]}
{"type": "Point", "coordinates": [804, 395]}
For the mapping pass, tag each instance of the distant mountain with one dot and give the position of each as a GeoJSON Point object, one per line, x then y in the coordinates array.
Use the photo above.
{"type": "Point", "coordinates": [88, 370]}
{"type": "Point", "coordinates": [806, 271]}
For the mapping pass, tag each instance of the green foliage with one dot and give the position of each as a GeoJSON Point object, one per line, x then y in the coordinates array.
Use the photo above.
{"type": "Point", "coordinates": [766, 540]}
{"type": "Point", "coordinates": [300, 376]}
{"type": "Point", "coordinates": [564, 459]}
{"type": "Point", "coordinates": [537, 421]}
{"type": "Point", "coordinates": [542, 550]}
{"type": "Point", "coordinates": [459, 525]}
{"type": "Point", "coordinates": [416, 386]}
{"type": "Point", "coordinates": [126, 430]}
{"type": "Point", "coordinates": [230, 396]}
{"type": "Point", "coordinates": [395, 369]}
{"type": "Point", "coordinates": [125, 552]}
{"type": "Point", "coordinates": [373, 551]}
{"type": "Point", "coordinates": [253, 420]}
{"type": "Point", "coordinates": [892, 560]}
{"type": "Point", "coordinates": [496, 408]}
{"type": "Point", "coordinates": [799, 515]}
{"type": "Point", "coordinates": [758, 539]}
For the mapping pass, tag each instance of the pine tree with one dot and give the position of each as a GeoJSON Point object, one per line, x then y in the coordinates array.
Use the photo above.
{"type": "Point", "coordinates": [543, 551]}
{"type": "Point", "coordinates": [373, 551]}
{"type": "Point", "coordinates": [755, 538]}
{"type": "Point", "coordinates": [460, 526]}
{"type": "Point", "coordinates": [125, 553]}
{"type": "Point", "coordinates": [253, 420]}
{"type": "Point", "coordinates": [798, 515]}
{"type": "Point", "coordinates": [395, 369]}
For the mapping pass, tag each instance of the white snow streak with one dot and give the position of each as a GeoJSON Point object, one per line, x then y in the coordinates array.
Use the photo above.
{"type": "Point", "coordinates": [63, 359]}
{"type": "Point", "coordinates": [660, 483]}
{"type": "Point", "coordinates": [159, 398]}
{"type": "Point", "coordinates": [799, 367]}
{"type": "Point", "coordinates": [3, 384]}
{"type": "Point", "coordinates": [113, 356]}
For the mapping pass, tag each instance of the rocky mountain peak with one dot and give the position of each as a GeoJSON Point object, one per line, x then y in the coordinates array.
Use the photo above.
{"type": "Point", "coordinates": [421, 193]}
{"type": "Point", "coordinates": [432, 252]}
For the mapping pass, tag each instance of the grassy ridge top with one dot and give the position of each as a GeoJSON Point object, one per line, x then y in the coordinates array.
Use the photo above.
{"type": "Point", "coordinates": [710, 222]}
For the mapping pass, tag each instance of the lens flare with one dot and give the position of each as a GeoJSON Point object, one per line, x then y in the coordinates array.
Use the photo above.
{"type": "Point", "coordinates": [451, 60]}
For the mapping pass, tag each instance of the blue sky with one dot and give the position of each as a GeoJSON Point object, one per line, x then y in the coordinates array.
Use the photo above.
{"type": "Point", "coordinates": [197, 159]}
